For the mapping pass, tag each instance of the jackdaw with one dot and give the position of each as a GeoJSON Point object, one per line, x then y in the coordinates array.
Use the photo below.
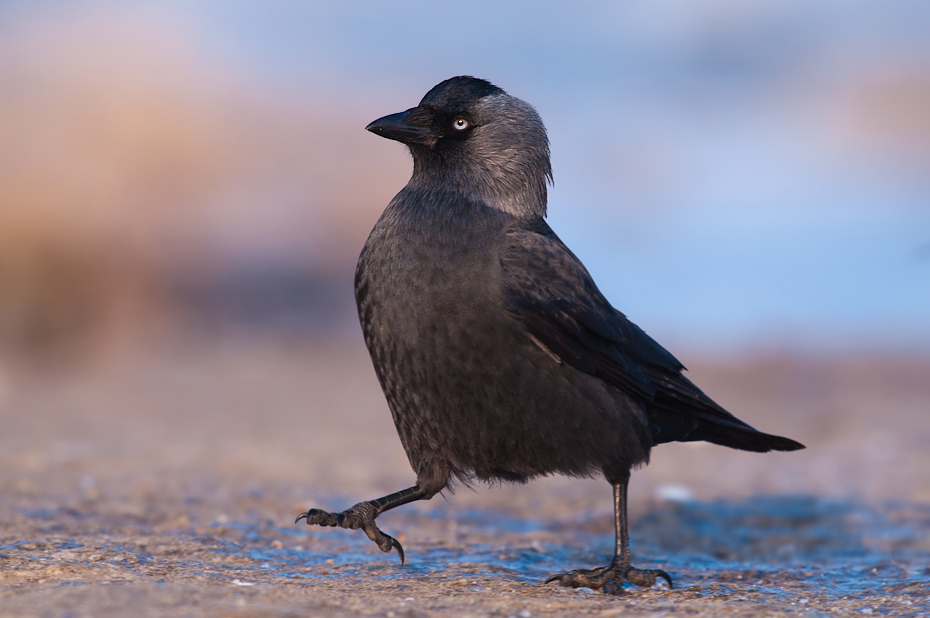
{"type": "Point", "coordinates": [499, 357]}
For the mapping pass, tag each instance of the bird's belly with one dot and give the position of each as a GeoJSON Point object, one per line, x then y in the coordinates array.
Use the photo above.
{"type": "Point", "coordinates": [476, 391]}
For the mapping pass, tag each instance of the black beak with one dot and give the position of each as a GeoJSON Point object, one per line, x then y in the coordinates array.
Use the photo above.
{"type": "Point", "coordinates": [397, 127]}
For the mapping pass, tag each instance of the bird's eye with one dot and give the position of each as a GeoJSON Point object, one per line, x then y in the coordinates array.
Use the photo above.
{"type": "Point", "coordinates": [460, 124]}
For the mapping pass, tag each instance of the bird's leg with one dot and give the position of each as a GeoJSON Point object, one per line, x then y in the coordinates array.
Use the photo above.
{"type": "Point", "coordinates": [363, 515]}
{"type": "Point", "coordinates": [645, 578]}
{"type": "Point", "coordinates": [610, 578]}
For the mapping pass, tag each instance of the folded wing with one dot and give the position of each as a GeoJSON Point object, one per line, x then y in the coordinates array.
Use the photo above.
{"type": "Point", "coordinates": [551, 293]}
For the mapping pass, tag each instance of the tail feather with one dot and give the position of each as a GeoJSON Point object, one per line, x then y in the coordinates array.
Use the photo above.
{"type": "Point", "coordinates": [726, 431]}
{"type": "Point", "coordinates": [755, 441]}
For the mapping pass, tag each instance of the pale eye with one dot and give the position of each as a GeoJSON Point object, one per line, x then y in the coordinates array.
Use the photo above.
{"type": "Point", "coordinates": [460, 124]}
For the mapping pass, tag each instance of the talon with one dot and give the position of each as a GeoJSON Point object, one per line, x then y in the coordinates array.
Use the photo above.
{"type": "Point", "coordinates": [400, 549]}
{"type": "Point", "coordinates": [317, 517]}
{"type": "Point", "coordinates": [647, 578]}
{"type": "Point", "coordinates": [594, 579]}
{"type": "Point", "coordinates": [666, 577]}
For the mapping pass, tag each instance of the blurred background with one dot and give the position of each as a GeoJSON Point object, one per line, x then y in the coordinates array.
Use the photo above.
{"type": "Point", "coordinates": [185, 188]}
{"type": "Point", "coordinates": [736, 176]}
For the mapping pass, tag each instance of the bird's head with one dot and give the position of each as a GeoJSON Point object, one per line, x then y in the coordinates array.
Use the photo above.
{"type": "Point", "coordinates": [468, 135]}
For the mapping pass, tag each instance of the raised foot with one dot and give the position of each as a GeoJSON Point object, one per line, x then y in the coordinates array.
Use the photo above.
{"type": "Point", "coordinates": [609, 578]}
{"type": "Point", "coordinates": [361, 516]}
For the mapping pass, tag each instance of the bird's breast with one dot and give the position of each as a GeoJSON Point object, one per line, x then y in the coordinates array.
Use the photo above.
{"type": "Point", "coordinates": [415, 293]}
{"type": "Point", "coordinates": [429, 271]}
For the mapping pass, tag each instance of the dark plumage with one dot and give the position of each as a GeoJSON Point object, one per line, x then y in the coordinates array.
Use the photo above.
{"type": "Point", "coordinates": [499, 357]}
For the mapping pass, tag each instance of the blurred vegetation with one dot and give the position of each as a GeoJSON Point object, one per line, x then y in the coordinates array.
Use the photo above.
{"type": "Point", "coordinates": [148, 182]}
{"type": "Point", "coordinates": [136, 178]}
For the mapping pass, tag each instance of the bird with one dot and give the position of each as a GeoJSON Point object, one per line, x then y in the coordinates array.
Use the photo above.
{"type": "Point", "coordinates": [499, 357]}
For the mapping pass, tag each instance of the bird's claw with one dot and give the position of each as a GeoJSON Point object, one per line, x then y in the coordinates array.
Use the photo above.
{"type": "Point", "coordinates": [595, 579]}
{"type": "Point", "coordinates": [385, 542]}
{"type": "Point", "coordinates": [319, 518]}
{"type": "Point", "coordinates": [609, 578]}
{"type": "Point", "coordinates": [361, 516]}
{"type": "Point", "coordinates": [646, 578]}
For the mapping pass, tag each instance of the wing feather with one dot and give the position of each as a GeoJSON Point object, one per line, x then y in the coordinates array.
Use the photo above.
{"type": "Point", "coordinates": [552, 294]}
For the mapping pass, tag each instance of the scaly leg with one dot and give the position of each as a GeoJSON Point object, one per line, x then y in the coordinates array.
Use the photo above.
{"type": "Point", "coordinates": [610, 578]}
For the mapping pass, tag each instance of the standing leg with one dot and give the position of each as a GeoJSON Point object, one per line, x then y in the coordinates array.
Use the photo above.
{"type": "Point", "coordinates": [645, 578]}
{"type": "Point", "coordinates": [610, 578]}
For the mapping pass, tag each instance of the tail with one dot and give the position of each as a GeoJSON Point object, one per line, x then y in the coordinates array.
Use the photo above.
{"type": "Point", "coordinates": [716, 426]}
{"type": "Point", "coordinates": [752, 440]}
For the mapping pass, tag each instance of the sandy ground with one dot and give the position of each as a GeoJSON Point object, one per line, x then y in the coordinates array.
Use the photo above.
{"type": "Point", "coordinates": [167, 482]}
